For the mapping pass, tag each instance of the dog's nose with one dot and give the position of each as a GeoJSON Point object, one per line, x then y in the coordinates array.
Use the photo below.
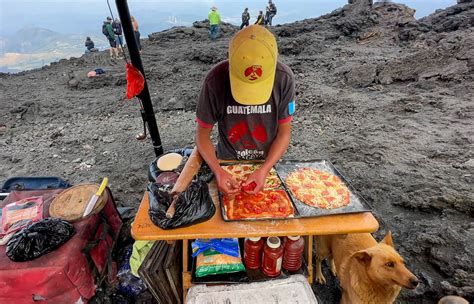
{"type": "Point", "coordinates": [414, 282]}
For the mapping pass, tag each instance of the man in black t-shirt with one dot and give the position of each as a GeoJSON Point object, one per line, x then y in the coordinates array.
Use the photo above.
{"type": "Point", "coordinates": [251, 98]}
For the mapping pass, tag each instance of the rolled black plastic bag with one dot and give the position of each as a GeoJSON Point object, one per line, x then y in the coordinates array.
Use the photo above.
{"type": "Point", "coordinates": [192, 206]}
{"type": "Point", "coordinates": [38, 239]}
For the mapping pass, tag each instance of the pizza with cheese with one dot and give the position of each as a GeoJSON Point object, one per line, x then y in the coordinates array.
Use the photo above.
{"type": "Point", "coordinates": [264, 204]}
{"type": "Point", "coordinates": [242, 171]}
{"type": "Point", "coordinates": [318, 188]}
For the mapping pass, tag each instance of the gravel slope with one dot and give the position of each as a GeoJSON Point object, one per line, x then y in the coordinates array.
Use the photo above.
{"type": "Point", "coordinates": [387, 98]}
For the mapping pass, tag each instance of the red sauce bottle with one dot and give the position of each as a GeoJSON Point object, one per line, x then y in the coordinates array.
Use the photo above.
{"type": "Point", "coordinates": [293, 248]}
{"type": "Point", "coordinates": [272, 257]}
{"type": "Point", "coordinates": [253, 252]}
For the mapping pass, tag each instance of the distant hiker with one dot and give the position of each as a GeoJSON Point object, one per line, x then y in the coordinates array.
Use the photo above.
{"type": "Point", "coordinates": [259, 18]}
{"type": "Point", "coordinates": [137, 33]}
{"type": "Point", "coordinates": [270, 13]}
{"type": "Point", "coordinates": [108, 31]}
{"type": "Point", "coordinates": [214, 21]}
{"type": "Point", "coordinates": [117, 27]}
{"type": "Point", "coordinates": [90, 46]}
{"type": "Point", "coordinates": [245, 18]}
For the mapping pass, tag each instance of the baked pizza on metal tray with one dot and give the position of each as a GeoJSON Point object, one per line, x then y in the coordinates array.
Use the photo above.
{"type": "Point", "coordinates": [318, 188]}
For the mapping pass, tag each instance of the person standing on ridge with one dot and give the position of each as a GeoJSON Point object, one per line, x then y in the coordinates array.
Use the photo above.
{"type": "Point", "coordinates": [260, 20]}
{"type": "Point", "coordinates": [117, 27]}
{"type": "Point", "coordinates": [90, 48]}
{"type": "Point", "coordinates": [136, 32]}
{"type": "Point", "coordinates": [250, 97]}
{"type": "Point", "coordinates": [108, 31]}
{"type": "Point", "coordinates": [214, 21]}
{"type": "Point", "coordinates": [245, 18]}
{"type": "Point", "coordinates": [270, 13]}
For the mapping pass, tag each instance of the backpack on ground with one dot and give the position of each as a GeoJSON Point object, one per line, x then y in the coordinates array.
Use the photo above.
{"type": "Point", "coordinates": [104, 30]}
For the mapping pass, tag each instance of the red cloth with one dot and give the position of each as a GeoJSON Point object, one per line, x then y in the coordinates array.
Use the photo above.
{"type": "Point", "coordinates": [61, 276]}
{"type": "Point", "coordinates": [135, 81]}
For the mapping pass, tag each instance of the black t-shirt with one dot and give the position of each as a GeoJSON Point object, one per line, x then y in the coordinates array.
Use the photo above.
{"type": "Point", "coordinates": [245, 132]}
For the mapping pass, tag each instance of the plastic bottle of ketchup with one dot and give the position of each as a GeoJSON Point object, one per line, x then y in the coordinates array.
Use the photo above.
{"type": "Point", "coordinates": [293, 248]}
{"type": "Point", "coordinates": [253, 252]}
{"type": "Point", "coordinates": [272, 257]}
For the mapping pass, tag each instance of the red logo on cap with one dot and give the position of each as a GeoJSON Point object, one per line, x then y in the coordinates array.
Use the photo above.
{"type": "Point", "coordinates": [253, 72]}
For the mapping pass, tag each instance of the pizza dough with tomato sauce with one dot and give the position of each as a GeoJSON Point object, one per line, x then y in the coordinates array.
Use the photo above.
{"type": "Point", "coordinates": [242, 171]}
{"type": "Point", "coordinates": [264, 204]}
{"type": "Point", "coordinates": [318, 188]}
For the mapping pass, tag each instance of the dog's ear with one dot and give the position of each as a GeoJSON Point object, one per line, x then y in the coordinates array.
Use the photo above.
{"type": "Point", "coordinates": [363, 257]}
{"type": "Point", "coordinates": [387, 240]}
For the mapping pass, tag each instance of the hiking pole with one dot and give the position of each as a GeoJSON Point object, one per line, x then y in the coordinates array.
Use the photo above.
{"type": "Point", "coordinates": [144, 96]}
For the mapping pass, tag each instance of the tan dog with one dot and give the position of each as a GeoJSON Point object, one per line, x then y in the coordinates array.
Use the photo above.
{"type": "Point", "coordinates": [368, 272]}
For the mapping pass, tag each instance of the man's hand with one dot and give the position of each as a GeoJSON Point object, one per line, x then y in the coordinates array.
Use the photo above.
{"type": "Point", "coordinates": [258, 179]}
{"type": "Point", "coordinates": [226, 182]}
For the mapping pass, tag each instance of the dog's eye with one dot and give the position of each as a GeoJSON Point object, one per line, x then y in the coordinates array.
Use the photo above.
{"type": "Point", "coordinates": [390, 264]}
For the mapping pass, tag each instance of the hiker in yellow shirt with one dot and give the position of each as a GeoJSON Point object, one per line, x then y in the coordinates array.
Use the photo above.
{"type": "Point", "coordinates": [214, 21]}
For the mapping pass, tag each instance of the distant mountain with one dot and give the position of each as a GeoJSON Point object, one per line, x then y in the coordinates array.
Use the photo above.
{"type": "Point", "coordinates": [7, 70]}
{"type": "Point", "coordinates": [33, 47]}
{"type": "Point", "coordinates": [36, 40]}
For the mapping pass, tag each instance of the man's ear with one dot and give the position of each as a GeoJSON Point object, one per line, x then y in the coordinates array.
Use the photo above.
{"type": "Point", "coordinates": [363, 257]}
{"type": "Point", "coordinates": [387, 240]}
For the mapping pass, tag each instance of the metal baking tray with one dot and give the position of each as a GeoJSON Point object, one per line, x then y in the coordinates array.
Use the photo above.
{"type": "Point", "coordinates": [281, 187]}
{"type": "Point", "coordinates": [356, 204]}
{"type": "Point", "coordinates": [226, 219]}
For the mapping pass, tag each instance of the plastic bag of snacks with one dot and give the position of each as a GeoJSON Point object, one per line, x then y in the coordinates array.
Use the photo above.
{"type": "Point", "coordinates": [16, 216]}
{"type": "Point", "coordinates": [211, 261]}
{"type": "Point", "coordinates": [226, 246]}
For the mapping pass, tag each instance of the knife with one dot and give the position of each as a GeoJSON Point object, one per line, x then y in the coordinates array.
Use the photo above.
{"type": "Point", "coordinates": [90, 206]}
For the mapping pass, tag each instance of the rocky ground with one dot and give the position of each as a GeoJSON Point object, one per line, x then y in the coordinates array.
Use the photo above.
{"type": "Point", "coordinates": [387, 98]}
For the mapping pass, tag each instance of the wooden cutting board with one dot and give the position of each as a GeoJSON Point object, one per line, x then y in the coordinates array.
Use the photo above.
{"type": "Point", "coordinates": [70, 204]}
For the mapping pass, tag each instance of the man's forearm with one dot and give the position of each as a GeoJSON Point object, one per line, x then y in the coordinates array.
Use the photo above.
{"type": "Point", "coordinates": [206, 149]}
{"type": "Point", "coordinates": [278, 147]}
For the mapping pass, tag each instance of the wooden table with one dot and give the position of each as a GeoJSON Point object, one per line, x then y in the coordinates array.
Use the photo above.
{"type": "Point", "coordinates": [216, 227]}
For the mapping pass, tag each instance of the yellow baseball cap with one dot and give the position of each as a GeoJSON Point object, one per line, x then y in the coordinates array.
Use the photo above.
{"type": "Point", "coordinates": [253, 56]}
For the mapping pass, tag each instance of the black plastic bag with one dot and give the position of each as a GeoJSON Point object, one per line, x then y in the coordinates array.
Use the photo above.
{"type": "Point", "coordinates": [38, 239]}
{"type": "Point", "coordinates": [204, 172]}
{"type": "Point", "coordinates": [193, 205]}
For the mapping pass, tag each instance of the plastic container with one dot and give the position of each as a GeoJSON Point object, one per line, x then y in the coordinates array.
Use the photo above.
{"type": "Point", "coordinates": [293, 247]}
{"type": "Point", "coordinates": [253, 252]}
{"type": "Point", "coordinates": [272, 257]}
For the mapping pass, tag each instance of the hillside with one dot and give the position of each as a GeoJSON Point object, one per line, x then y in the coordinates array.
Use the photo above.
{"type": "Point", "coordinates": [387, 98]}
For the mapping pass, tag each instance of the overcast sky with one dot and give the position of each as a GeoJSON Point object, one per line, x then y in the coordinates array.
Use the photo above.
{"type": "Point", "coordinates": [79, 16]}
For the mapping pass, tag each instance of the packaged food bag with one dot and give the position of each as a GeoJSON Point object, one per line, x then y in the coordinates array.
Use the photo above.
{"type": "Point", "coordinates": [212, 262]}
{"type": "Point", "coordinates": [227, 246]}
{"type": "Point", "coordinates": [17, 215]}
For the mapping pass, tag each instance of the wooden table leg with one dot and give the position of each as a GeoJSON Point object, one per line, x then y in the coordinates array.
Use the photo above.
{"type": "Point", "coordinates": [309, 258]}
{"type": "Point", "coordinates": [186, 273]}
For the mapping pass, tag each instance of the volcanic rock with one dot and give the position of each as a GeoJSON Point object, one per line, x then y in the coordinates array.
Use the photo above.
{"type": "Point", "coordinates": [385, 97]}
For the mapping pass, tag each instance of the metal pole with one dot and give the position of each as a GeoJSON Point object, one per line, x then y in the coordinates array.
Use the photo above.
{"type": "Point", "coordinates": [149, 115]}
